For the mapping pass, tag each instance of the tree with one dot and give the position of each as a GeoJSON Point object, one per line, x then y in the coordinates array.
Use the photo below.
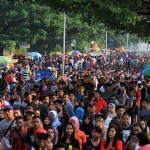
{"type": "Point", "coordinates": [132, 16]}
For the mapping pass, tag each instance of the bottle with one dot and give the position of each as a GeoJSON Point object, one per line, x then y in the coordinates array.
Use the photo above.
{"type": "Point", "coordinates": [70, 147]}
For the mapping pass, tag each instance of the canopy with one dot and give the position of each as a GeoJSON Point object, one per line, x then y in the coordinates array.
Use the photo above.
{"type": "Point", "coordinates": [90, 54]}
{"type": "Point", "coordinates": [75, 53]}
{"type": "Point", "coordinates": [146, 71]}
{"type": "Point", "coordinates": [95, 47]}
{"type": "Point", "coordinates": [56, 53]}
{"type": "Point", "coordinates": [35, 54]}
{"type": "Point", "coordinates": [147, 65]}
{"type": "Point", "coordinates": [5, 60]}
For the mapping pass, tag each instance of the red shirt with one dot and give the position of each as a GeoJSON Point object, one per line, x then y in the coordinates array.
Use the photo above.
{"type": "Point", "coordinates": [100, 104]}
{"type": "Point", "coordinates": [137, 95]}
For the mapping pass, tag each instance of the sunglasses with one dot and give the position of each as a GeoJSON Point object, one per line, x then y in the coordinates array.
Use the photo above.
{"type": "Point", "coordinates": [42, 138]}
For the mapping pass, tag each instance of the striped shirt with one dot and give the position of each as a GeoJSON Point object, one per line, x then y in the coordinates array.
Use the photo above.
{"type": "Point", "coordinates": [26, 74]}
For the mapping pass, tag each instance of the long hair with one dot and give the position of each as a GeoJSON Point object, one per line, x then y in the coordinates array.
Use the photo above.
{"type": "Point", "coordinates": [73, 134]}
{"type": "Point", "coordinates": [116, 138]}
{"type": "Point", "coordinates": [143, 139]}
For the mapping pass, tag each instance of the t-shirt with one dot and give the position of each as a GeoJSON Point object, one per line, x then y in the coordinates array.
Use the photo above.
{"type": "Point", "coordinates": [129, 102]}
{"type": "Point", "coordinates": [89, 144]}
{"type": "Point", "coordinates": [145, 147]}
{"type": "Point", "coordinates": [4, 124]}
{"type": "Point", "coordinates": [145, 114]}
{"type": "Point", "coordinates": [126, 133]}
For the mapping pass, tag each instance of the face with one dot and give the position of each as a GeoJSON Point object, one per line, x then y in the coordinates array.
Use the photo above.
{"type": "Point", "coordinates": [111, 108]}
{"type": "Point", "coordinates": [143, 124]}
{"type": "Point", "coordinates": [82, 89]}
{"type": "Point", "coordinates": [36, 102]}
{"type": "Point", "coordinates": [125, 120]}
{"type": "Point", "coordinates": [120, 111]}
{"type": "Point", "coordinates": [111, 133]}
{"type": "Point", "coordinates": [99, 119]}
{"type": "Point", "coordinates": [19, 123]}
{"type": "Point", "coordinates": [40, 140]}
{"type": "Point", "coordinates": [69, 130]}
{"type": "Point", "coordinates": [52, 116]}
{"type": "Point", "coordinates": [29, 116]}
{"type": "Point", "coordinates": [1, 114]}
{"type": "Point", "coordinates": [46, 100]}
{"type": "Point", "coordinates": [144, 104]}
{"type": "Point", "coordinates": [96, 95]}
{"type": "Point", "coordinates": [91, 109]}
{"type": "Point", "coordinates": [29, 98]}
{"type": "Point", "coordinates": [37, 113]}
{"type": "Point", "coordinates": [136, 130]}
{"type": "Point", "coordinates": [36, 123]}
{"type": "Point", "coordinates": [86, 120]}
{"type": "Point", "coordinates": [17, 113]}
{"type": "Point", "coordinates": [47, 120]}
{"type": "Point", "coordinates": [71, 96]}
{"type": "Point", "coordinates": [96, 135]}
{"type": "Point", "coordinates": [57, 106]}
{"type": "Point", "coordinates": [51, 134]}
{"type": "Point", "coordinates": [60, 93]}
{"type": "Point", "coordinates": [9, 113]}
{"type": "Point", "coordinates": [66, 98]}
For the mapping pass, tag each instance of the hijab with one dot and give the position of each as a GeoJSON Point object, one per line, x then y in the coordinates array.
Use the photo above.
{"type": "Point", "coordinates": [46, 125]}
{"type": "Point", "coordinates": [112, 115]}
{"type": "Point", "coordinates": [55, 122]}
{"type": "Point", "coordinates": [75, 119]}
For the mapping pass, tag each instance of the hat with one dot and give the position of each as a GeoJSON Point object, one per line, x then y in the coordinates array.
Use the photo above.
{"type": "Point", "coordinates": [29, 111]}
{"type": "Point", "coordinates": [92, 104]}
{"type": "Point", "coordinates": [8, 107]}
{"type": "Point", "coordinates": [99, 114]}
{"type": "Point", "coordinates": [40, 131]}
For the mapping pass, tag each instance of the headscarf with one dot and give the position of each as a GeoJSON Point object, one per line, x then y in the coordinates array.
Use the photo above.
{"type": "Point", "coordinates": [76, 123]}
{"type": "Point", "coordinates": [55, 122]}
{"type": "Point", "coordinates": [44, 125]}
{"type": "Point", "coordinates": [112, 115]}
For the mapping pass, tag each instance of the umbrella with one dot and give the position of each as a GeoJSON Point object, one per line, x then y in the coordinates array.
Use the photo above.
{"type": "Point", "coordinates": [147, 65]}
{"type": "Point", "coordinates": [35, 54]}
{"type": "Point", "coordinates": [56, 53]}
{"type": "Point", "coordinates": [75, 53]}
{"type": "Point", "coordinates": [90, 54]}
{"type": "Point", "coordinates": [5, 60]}
{"type": "Point", "coordinates": [146, 71]}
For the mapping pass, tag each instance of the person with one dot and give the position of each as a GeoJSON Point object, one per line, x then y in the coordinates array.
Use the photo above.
{"type": "Point", "coordinates": [94, 142]}
{"type": "Point", "coordinates": [99, 101]}
{"type": "Point", "coordinates": [5, 126]}
{"type": "Point", "coordinates": [92, 108]}
{"type": "Point", "coordinates": [87, 126]}
{"type": "Point", "coordinates": [131, 142]}
{"type": "Point", "coordinates": [112, 141]}
{"type": "Point", "coordinates": [47, 121]}
{"type": "Point", "coordinates": [144, 125]}
{"type": "Point", "coordinates": [69, 137]}
{"type": "Point", "coordinates": [143, 141]}
{"type": "Point", "coordinates": [111, 110]}
{"type": "Point", "coordinates": [79, 135]}
{"type": "Point", "coordinates": [60, 146]}
{"type": "Point", "coordinates": [18, 135]}
{"type": "Point", "coordinates": [53, 134]}
{"type": "Point", "coordinates": [40, 136]}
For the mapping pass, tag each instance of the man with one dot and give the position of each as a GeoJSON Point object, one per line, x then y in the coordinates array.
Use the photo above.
{"type": "Point", "coordinates": [40, 136]}
{"type": "Point", "coordinates": [145, 113]}
{"type": "Point", "coordinates": [5, 126]}
{"type": "Point", "coordinates": [26, 73]}
{"type": "Point", "coordinates": [18, 135]}
{"type": "Point", "coordinates": [59, 109]}
{"type": "Point", "coordinates": [37, 123]}
{"type": "Point", "coordinates": [17, 112]}
{"type": "Point", "coordinates": [99, 101]}
{"type": "Point", "coordinates": [92, 108]}
{"type": "Point", "coordinates": [60, 146]}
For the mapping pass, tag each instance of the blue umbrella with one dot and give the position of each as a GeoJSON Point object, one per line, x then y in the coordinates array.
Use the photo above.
{"type": "Point", "coordinates": [75, 53]}
{"type": "Point", "coordinates": [143, 71]}
{"type": "Point", "coordinates": [35, 54]}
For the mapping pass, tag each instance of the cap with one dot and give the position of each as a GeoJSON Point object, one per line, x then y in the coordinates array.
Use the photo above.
{"type": "Point", "coordinates": [92, 104]}
{"type": "Point", "coordinates": [8, 107]}
{"type": "Point", "coordinates": [40, 131]}
{"type": "Point", "coordinates": [29, 111]}
{"type": "Point", "coordinates": [99, 114]}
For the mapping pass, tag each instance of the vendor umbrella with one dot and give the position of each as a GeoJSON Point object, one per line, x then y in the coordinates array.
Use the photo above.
{"type": "Point", "coordinates": [35, 54]}
{"type": "Point", "coordinates": [146, 71]}
{"type": "Point", "coordinates": [76, 53]}
{"type": "Point", "coordinates": [56, 53]}
{"type": "Point", "coordinates": [147, 65]}
{"type": "Point", "coordinates": [5, 60]}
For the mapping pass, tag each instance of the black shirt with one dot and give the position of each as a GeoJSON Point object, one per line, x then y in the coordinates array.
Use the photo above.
{"type": "Point", "coordinates": [90, 144]}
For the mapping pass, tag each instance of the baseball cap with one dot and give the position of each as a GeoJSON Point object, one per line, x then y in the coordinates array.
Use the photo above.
{"type": "Point", "coordinates": [8, 107]}
{"type": "Point", "coordinates": [99, 114]}
{"type": "Point", "coordinates": [40, 131]}
{"type": "Point", "coordinates": [92, 104]}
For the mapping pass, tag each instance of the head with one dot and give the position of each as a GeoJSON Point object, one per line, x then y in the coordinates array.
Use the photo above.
{"type": "Point", "coordinates": [2, 114]}
{"type": "Point", "coordinates": [28, 96]}
{"type": "Point", "coordinates": [111, 108]}
{"type": "Point", "coordinates": [65, 98]}
{"type": "Point", "coordinates": [142, 138]}
{"type": "Point", "coordinates": [97, 95]}
{"type": "Point", "coordinates": [37, 112]}
{"type": "Point", "coordinates": [74, 120]}
{"type": "Point", "coordinates": [58, 104]}
{"type": "Point", "coordinates": [92, 107]}
{"type": "Point", "coordinates": [17, 112]}
{"type": "Point", "coordinates": [60, 146]}
{"type": "Point", "coordinates": [136, 128]}
{"type": "Point", "coordinates": [143, 124]}
{"type": "Point", "coordinates": [87, 119]}
{"type": "Point", "coordinates": [36, 121]}
{"type": "Point", "coordinates": [96, 132]}
{"type": "Point", "coordinates": [9, 113]}
{"type": "Point", "coordinates": [50, 132]}
{"type": "Point", "coordinates": [125, 119]}
{"type": "Point", "coordinates": [47, 120]}
{"type": "Point", "coordinates": [19, 122]}
{"type": "Point", "coordinates": [119, 110]}
{"type": "Point", "coordinates": [145, 102]}
{"type": "Point", "coordinates": [99, 118]}
{"type": "Point", "coordinates": [46, 99]}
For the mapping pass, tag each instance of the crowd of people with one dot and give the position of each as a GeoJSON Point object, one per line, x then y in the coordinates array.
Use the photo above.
{"type": "Point", "coordinates": [98, 104]}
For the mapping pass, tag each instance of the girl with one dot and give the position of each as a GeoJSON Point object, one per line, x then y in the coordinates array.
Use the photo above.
{"type": "Point", "coordinates": [144, 125]}
{"type": "Point", "coordinates": [87, 125]}
{"type": "Point", "coordinates": [47, 121]}
{"type": "Point", "coordinates": [132, 143]}
{"type": "Point", "coordinates": [80, 135]}
{"type": "Point", "coordinates": [94, 143]}
{"type": "Point", "coordinates": [69, 137]}
{"type": "Point", "coordinates": [111, 109]}
{"type": "Point", "coordinates": [112, 141]}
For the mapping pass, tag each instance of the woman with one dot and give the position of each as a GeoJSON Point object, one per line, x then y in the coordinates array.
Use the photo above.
{"type": "Point", "coordinates": [132, 143]}
{"type": "Point", "coordinates": [111, 110]}
{"type": "Point", "coordinates": [55, 123]}
{"type": "Point", "coordinates": [53, 134]}
{"type": "Point", "coordinates": [143, 141]}
{"type": "Point", "coordinates": [46, 121]}
{"type": "Point", "coordinates": [87, 125]}
{"type": "Point", "coordinates": [144, 125]}
{"type": "Point", "coordinates": [79, 135]}
{"type": "Point", "coordinates": [94, 143]}
{"type": "Point", "coordinates": [69, 137]}
{"type": "Point", "coordinates": [112, 140]}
